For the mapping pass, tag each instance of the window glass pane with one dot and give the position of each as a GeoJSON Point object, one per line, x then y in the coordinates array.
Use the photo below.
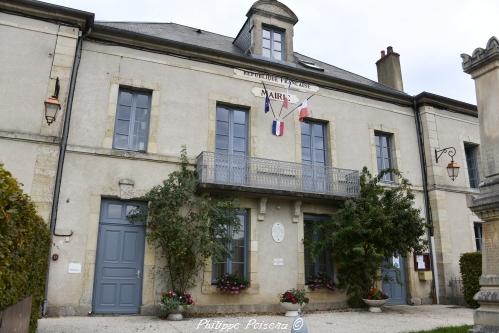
{"type": "Point", "coordinates": [222, 128]}
{"type": "Point", "coordinates": [305, 128]}
{"type": "Point", "coordinates": [130, 208]}
{"type": "Point", "coordinates": [277, 46]}
{"type": "Point", "coordinates": [317, 130]}
{"type": "Point", "coordinates": [122, 127]}
{"type": "Point", "coordinates": [142, 101]}
{"type": "Point", "coordinates": [239, 117]}
{"type": "Point", "coordinates": [266, 33]}
{"type": "Point", "coordinates": [239, 144]}
{"type": "Point", "coordinates": [305, 140]}
{"type": "Point", "coordinates": [318, 142]}
{"type": "Point", "coordinates": [125, 98]}
{"type": "Point", "coordinates": [266, 53]}
{"type": "Point", "coordinates": [114, 211]}
{"type": "Point", "coordinates": [124, 112]}
{"type": "Point", "coordinates": [222, 114]}
{"type": "Point", "coordinates": [306, 154]}
{"type": "Point", "coordinates": [238, 269]}
{"type": "Point", "coordinates": [238, 254]}
{"type": "Point", "coordinates": [277, 55]}
{"type": "Point", "coordinates": [266, 43]}
{"type": "Point", "coordinates": [240, 131]}
{"type": "Point", "coordinates": [277, 36]}
{"type": "Point", "coordinates": [319, 156]}
{"type": "Point", "coordinates": [121, 141]}
{"type": "Point", "coordinates": [222, 142]}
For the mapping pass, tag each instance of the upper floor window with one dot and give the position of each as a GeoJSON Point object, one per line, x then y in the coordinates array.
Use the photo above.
{"type": "Point", "coordinates": [131, 128]}
{"type": "Point", "coordinates": [272, 43]}
{"type": "Point", "coordinates": [478, 226]}
{"type": "Point", "coordinates": [384, 155]}
{"type": "Point", "coordinates": [471, 152]}
{"type": "Point", "coordinates": [237, 262]}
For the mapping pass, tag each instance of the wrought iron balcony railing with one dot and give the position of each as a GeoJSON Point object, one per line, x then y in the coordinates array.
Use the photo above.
{"type": "Point", "coordinates": [248, 173]}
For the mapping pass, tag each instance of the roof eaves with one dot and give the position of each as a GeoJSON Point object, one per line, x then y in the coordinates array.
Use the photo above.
{"type": "Point", "coordinates": [49, 12]}
{"type": "Point", "coordinates": [446, 103]}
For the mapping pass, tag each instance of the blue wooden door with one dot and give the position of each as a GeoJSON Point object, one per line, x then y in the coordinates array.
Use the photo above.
{"type": "Point", "coordinates": [119, 260]}
{"type": "Point", "coordinates": [395, 287]}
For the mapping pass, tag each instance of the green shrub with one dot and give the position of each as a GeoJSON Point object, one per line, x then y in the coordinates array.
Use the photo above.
{"type": "Point", "coordinates": [24, 248]}
{"type": "Point", "coordinates": [471, 270]}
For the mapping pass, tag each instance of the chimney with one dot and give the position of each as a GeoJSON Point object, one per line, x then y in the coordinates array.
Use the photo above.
{"type": "Point", "coordinates": [389, 72]}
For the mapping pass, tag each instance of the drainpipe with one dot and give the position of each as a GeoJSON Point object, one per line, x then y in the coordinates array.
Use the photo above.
{"type": "Point", "coordinates": [62, 154]}
{"type": "Point", "coordinates": [426, 200]}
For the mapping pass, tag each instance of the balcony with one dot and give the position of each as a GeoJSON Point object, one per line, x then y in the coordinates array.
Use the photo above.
{"type": "Point", "coordinates": [260, 175]}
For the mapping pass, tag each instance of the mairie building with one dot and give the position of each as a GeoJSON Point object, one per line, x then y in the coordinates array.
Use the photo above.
{"type": "Point", "coordinates": [94, 114]}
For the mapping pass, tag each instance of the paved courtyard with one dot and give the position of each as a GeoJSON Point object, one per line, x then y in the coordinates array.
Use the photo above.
{"type": "Point", "coordinates": [393, 319]}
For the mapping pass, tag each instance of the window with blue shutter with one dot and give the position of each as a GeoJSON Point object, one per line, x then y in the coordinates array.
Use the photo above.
{"type": "Point", "coordinates": [131, 128]}
{"type": "Point", "coordinates": [384, 154]}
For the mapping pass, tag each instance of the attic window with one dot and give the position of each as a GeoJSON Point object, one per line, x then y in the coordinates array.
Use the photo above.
{"type": "Point", "coordinates": [311, 65]}
{"type": "Point", "coordinates": [272, 43]}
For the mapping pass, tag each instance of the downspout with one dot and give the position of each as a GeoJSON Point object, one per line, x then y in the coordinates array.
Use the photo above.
{"type": "Point", "coordinates": [426, 200]}
{"type": "Point", "coordinates": [62, 154]}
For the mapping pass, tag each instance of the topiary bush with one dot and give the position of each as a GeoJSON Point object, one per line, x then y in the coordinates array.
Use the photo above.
{"type": "Point", "coordinates": [24, 248]}
{"type": "Point", "coordinates": [470, 265]}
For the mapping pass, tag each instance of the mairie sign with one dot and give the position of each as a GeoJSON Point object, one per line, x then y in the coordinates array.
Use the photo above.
{"type": "Point", "coordinates": [275, 79]}
{"type": "Point", "coordinates": [274, 95]}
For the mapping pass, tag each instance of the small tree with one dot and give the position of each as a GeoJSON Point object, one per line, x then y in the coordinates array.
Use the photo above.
{"type": "Point", "coordinates": [381, 222]}
{"type": "Point", "coordinates": [186, 227]}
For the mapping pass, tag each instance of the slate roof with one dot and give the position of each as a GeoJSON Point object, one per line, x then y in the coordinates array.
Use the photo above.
{"type": "Point", "coordinates": [193, 36]}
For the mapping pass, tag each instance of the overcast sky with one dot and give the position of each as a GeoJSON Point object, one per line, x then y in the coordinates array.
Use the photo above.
{"type": "Point", "coordinates": [429, 35]}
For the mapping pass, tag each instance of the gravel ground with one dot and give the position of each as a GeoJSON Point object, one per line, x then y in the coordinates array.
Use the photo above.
{"type": "Point", "coordinates": [393, 319]}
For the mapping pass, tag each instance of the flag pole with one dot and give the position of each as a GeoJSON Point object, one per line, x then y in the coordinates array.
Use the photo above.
{"type": "Point", "coordinates": [286, 96]}
{"type": "Point", "coordinates": [270, 103]}
{"type": "Point", "coordinates": [296, 107]}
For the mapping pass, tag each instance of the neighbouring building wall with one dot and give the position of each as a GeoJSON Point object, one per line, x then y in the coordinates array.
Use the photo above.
{"type": "Point", "coordinates": [34, 53]}
{"type": "Point", "coordinates": [453, 221]}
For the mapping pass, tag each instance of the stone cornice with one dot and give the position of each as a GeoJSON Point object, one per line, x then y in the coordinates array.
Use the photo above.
{"type": "Point", "coordinates": [481, 57]}
{"type": "Point", "coordinates": [49, 12]}
{"type": "Point", "coordinates": [441, 102]}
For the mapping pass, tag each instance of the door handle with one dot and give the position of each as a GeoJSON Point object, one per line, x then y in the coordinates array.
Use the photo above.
{"type": "Point", "coordinates": [138, 274]}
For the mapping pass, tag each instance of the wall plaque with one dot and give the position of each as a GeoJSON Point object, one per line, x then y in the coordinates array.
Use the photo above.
{"type": "Point", "coordinates": [278, 232]}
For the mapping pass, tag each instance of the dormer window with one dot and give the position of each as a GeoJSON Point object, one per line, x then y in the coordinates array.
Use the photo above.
{"type": "Point", "coordinates": [272, 43]}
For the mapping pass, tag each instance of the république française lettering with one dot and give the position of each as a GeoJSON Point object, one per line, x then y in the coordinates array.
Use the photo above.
{"type": "Point", "coordinates": [275, 78]}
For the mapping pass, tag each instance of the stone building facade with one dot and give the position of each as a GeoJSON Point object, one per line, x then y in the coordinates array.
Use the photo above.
{"type": "Point", "coordinates": [133, 93]}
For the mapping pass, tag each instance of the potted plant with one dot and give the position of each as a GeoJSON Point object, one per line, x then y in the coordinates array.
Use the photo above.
{"type": "Point", "coordinates": [292, 301]}
{"type": "Point", "coordinates": [231, 284]}
{"type": "Point", "coordinates": [173, 304]}
{"type": "Point", "coordinates": [375, 299]}
{"type": "Point", "coordinates": [321, 281]}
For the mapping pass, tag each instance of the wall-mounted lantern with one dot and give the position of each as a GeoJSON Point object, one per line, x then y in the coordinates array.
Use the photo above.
{"type": "Point", "coordinates": [453, 166]}
{"type": "Point", "coordinates": [52, 105]}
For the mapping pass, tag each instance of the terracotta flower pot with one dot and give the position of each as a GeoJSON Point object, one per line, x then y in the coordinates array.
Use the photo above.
{"type": "Point", "coordinates": [292, 310]}
{"type": "Point", "coordinates": [375, 304]}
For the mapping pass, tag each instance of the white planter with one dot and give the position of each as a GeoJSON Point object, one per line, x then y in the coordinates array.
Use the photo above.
{"type": "Point", "coordinates": [292, 310]}
{"type": "Point", "coordinates": [375, 304]}
{"type": "Point", "coordinates": [178, 313]}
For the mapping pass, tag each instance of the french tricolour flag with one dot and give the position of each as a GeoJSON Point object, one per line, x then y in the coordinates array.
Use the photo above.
{"type": "Point", "coordinates": [277, 127]}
